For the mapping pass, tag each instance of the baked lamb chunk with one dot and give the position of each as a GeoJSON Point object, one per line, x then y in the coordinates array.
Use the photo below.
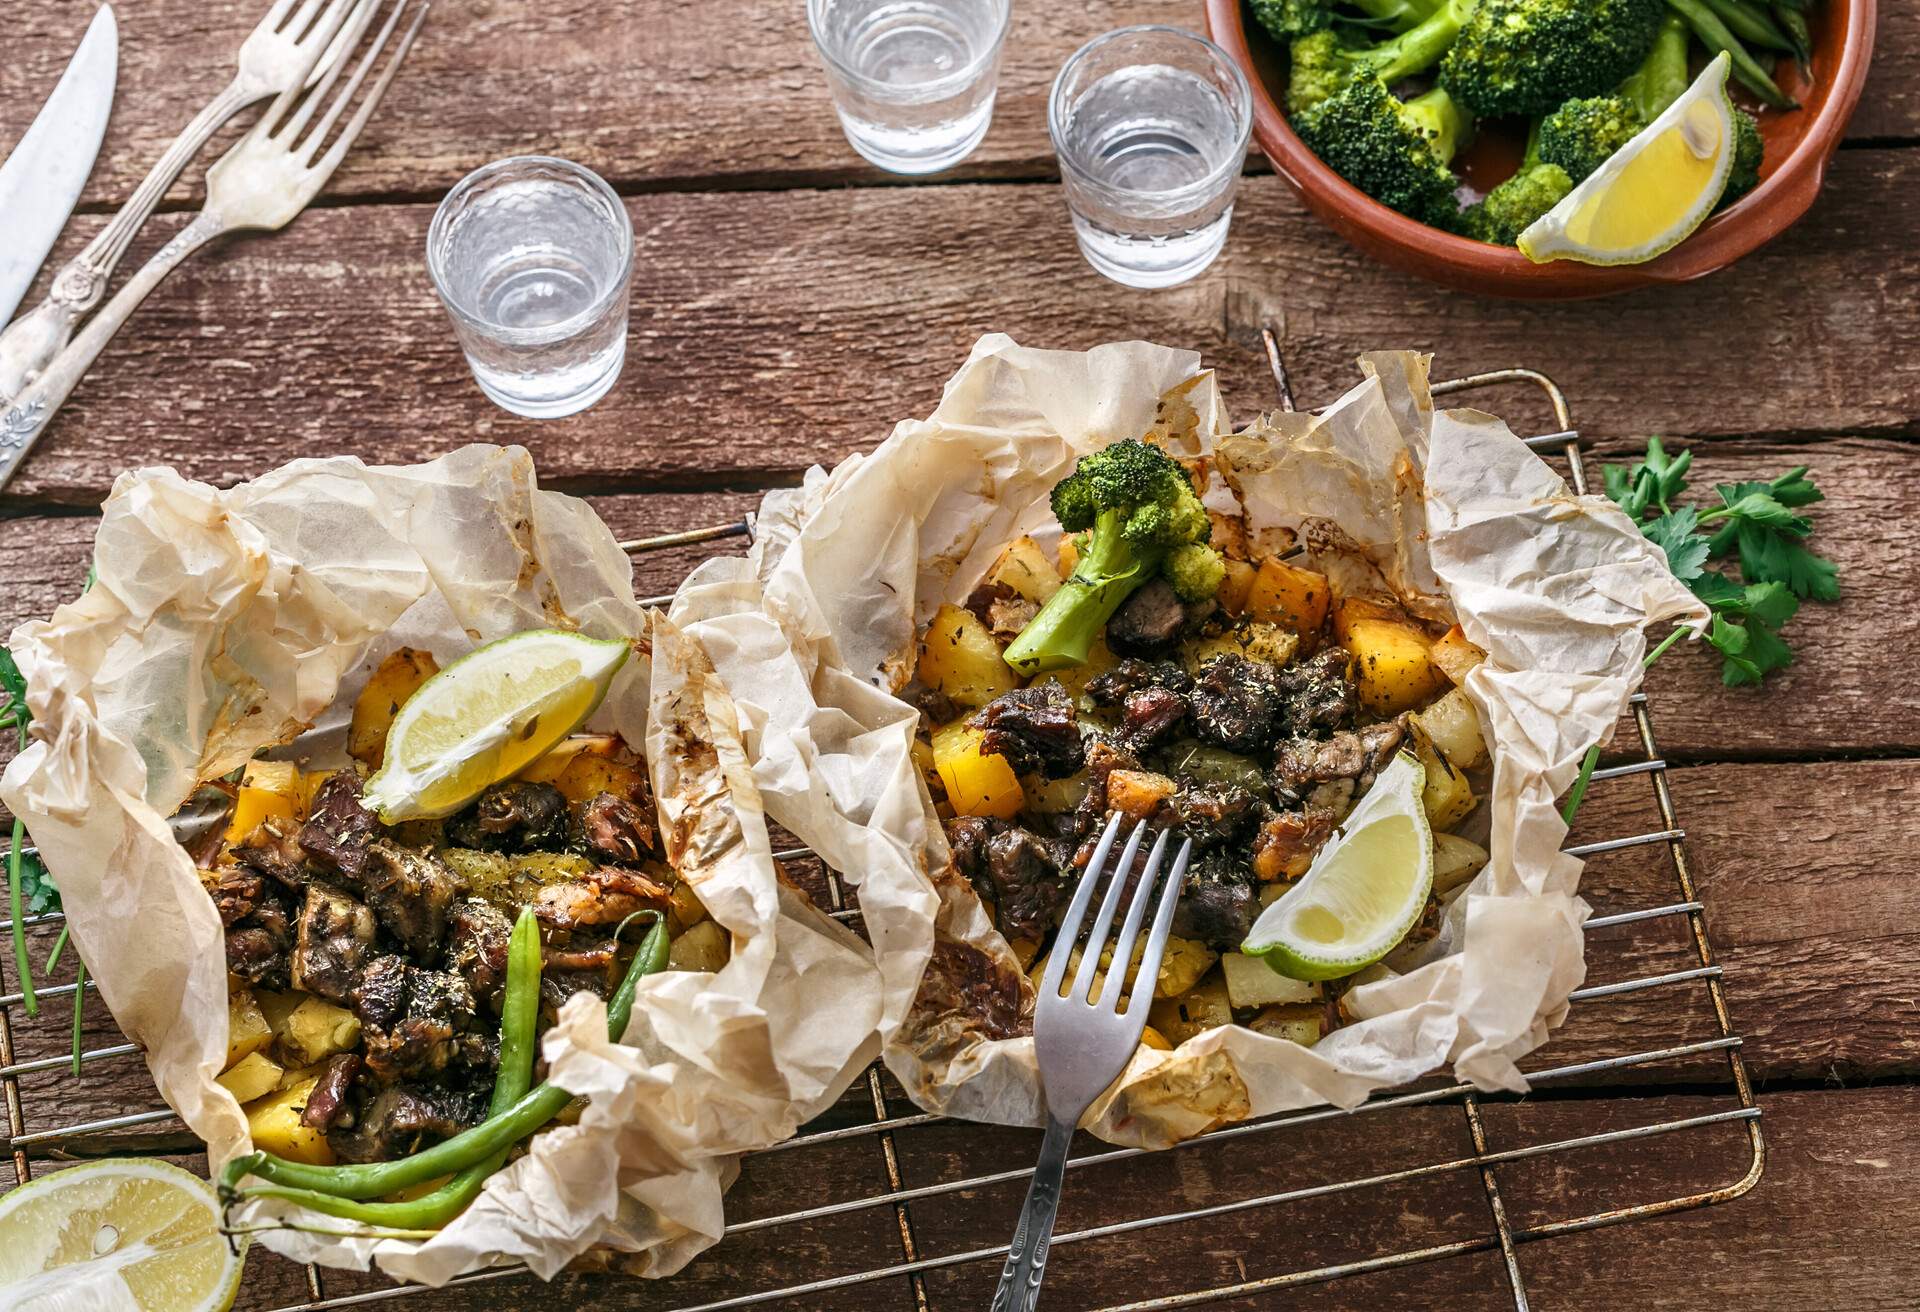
{"type": "Point", "coordinates": [1148, 622]}
{"type": "Point", "coordinates": [1035, 729]}
{"type": "Point", "coordinates": [616, 830]}
{"type": "Point", "coordinates": [329, 1098]}
{"type": "Point", "coordinates": [1357, 754]}
{"type": "Point", "coordinates": [335, 942]}
{"type": "Point", "coordinates": [513, 817]}
{"type": "Point", "coordinates": [412, 893]}
{"type": "Point", "coordinates": [1235, 705]}
{"type": "Point", "coordinates": [339, 830]}
{"type": "Point", "coordinates": [477, 949]}
{"type": "Point", "coordinates": [1020, 870]}
{"type": "Point", "coordinates": [400, 1119]}
{"type": "Point", "coordinates": [413, 1020]}
{"type": "Point", "coordinates": [259, 927]}
{"type": "Point", "coordinates": [1217, 904]}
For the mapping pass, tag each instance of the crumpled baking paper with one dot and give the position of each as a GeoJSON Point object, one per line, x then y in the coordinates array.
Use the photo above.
{"type": "Point", "coordinates": [222, 622]}
{"type": "Point", "coordinates": [1450, 511]}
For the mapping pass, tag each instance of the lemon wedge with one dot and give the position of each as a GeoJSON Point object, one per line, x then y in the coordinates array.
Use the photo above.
{"type": "Point", "coordinates": [488, 716]}
{"type": "Point", "coordinates": [1364, 890]}
{"type": "Point", "coordinates": [1654, 191]}
{"type": "Point", "coordinates": [127, 1233]}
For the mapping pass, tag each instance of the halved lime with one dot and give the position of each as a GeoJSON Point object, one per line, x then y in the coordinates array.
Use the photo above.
{"type": "Point", "coordinates": [125, 1233]}
{"type": "Point", "coordinates": [1363, 892]}
{"type": "Point", "coordinates": [488, 716]}
{"type": "Point", "coordinates": [1654, 191]}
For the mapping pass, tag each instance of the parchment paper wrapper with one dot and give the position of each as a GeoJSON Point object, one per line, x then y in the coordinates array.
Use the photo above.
{"type": "Point", "coordinates": [1450, 511]}
{"type": "Point", "coordinates": [222, 622]}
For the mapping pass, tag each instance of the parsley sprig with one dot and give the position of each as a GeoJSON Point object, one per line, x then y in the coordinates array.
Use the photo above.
{"type": "Point", "coordinates": [1756, 525]}
{"type": "Point", "coordinates": [29, 891]}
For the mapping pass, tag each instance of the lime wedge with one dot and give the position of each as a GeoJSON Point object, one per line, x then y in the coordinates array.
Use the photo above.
{"type": "Point", "coordinates": [1363, 892]}
{"type": "Point", "coordinates": [126, 1233]}
{"type": "Point", "coordinates": [1654, 191]}
{"type": "Point", "coordinates": [488, 716]}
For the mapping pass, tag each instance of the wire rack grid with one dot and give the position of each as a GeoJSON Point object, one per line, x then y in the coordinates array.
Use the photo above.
{"type": "Point", "coordinates": [883, 1119]}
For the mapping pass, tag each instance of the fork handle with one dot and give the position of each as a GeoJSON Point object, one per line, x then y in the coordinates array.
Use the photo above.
{"type": "Point", "coordinates": [31, 342]}
{"type": "Point", "coordinates": [25, 418]}
{"type": "Point", "coordinates": [1026, 1266]}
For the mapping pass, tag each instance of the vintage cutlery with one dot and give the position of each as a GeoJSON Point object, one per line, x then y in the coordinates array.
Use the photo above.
{"type": "Point", "coordinates": [1084, 1042]}
{"type": "Point", "coordinates": [277, 55]}
{"type": "Point", "coordinates": [41, 180]}
{"type": "Point", "coordinates": [261, 184]}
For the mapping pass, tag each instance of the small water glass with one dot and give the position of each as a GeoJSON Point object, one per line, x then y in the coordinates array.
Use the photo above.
{"type": "Point", "coordinates": [1150, 124]}
{"type": "Point", "coordinates": [532, 256]}
{"type": "Point", "coordinates": [913, 80]}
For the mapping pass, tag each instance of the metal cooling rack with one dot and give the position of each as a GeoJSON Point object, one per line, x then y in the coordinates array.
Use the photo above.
{"type": "Point", "coordinates": [891, 1130]}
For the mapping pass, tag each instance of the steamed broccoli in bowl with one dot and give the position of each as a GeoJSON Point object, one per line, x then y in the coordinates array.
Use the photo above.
{"type": "Point", "coordinates": [1396, 151]}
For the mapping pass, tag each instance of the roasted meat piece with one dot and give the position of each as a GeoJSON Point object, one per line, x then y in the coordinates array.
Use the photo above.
{"type": "Point", "coordinates": [412, 893]}
{"type": "Point", "coordinates": [606, 897]}
{"type": "Point", "coordinates": [614, 829]}
{"type": "Point", "coordinates": [1131, 676]}
{"type": "Point", "coordinates": [556, 986]}
{"type": "Point", "coordinates": [1019, 869]}
{"type": "Point", "coordinates": [339, 829]}
{"type": "Point", "coordinates": [1235, 705]}
{"type": "Point", "coordinates": [403, 1118]}
{"type": "Point", "coordinates": [477, 934]}
{"type": "Point", "coordinates": [1286, 845]}
{"type": "Point", "coordinates": [1356, 754]}
{"type": "Point", "coordinates": [1035, 729]}
{"type": "Point", "coordinates": [334, 942]}
{"type": "Point", "coordinates": [935, 707]}
{"type": "Point", "coordinates": [258, 924]}
{"type": "Point", "coordinates": [1216, 815]}
{"type": "Point", "coordinates": [1217, 904]}
{"type": "Point", "coordinates": [513, 817]}
{"type": "Point", "coordinates": [1317, 697]}
{"type": "Point", "coordinates": [275, 853]}
{"type": "Point", "coordinates": [1149, 622]}
{"type": "Point", "coordinates": [412, 1019]}
{"type": "Point", "coordinates": [329, 1095]}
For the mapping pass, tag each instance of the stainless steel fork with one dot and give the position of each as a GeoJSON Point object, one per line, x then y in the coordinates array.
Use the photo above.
{"type": "Point", "coordinates": [1085, 1040]}
{"type": "Point", "coordinates": [268, 177]}
{"type": "Point", "coordinates": [277, 55]}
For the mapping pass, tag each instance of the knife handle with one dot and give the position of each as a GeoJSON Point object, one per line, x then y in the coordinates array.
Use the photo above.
{"type": "Point", "coordinates": [32, 340]}
{"type": "Point", "coordinates": [25, 418]}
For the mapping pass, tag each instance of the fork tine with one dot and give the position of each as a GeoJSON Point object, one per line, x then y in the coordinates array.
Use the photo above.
{"type": "Point", "coordinates": [1162, 926]}
{"type": "Point", "coordinates": [302, 17]}
{"type": "Point", "coordinates": [328, 24]}
{"type": "Point", "coordinates": [1136, 912]}
{"type": "Point", "coordinates": [1077, 910]}
{"type": "Point", "coordinates": [1097, 939]}
{"type": "Point", "coordinates": [275, 12]}
{"type": "Point", "coordinates": [359, 120]}
{"type": "Point", "coordinates": [356, 29]}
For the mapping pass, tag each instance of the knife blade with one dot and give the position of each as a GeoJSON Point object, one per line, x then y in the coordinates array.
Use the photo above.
{"type": "Point", "coordinates": [41, 180]}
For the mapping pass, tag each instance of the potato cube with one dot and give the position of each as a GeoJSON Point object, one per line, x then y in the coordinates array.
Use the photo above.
{"type": "Point", "coordinates": [1235, 587]}
{"type": "Point", "coordinates": [254, 806]}
{"type": "Point", "coordinates": [1298, 1023]}
{"type": "Point", "coordinates": [1056, 796]}
{"type": "Point", "coordinates": [976, 783]}
{"type": "Point", "coordinates": [1448, 798]}
{"type": "Point", "coordinates": [254, 1076]}
{"type": "Point", "coordinates": [684, 907]}
{"type": "Point", "coordinates": [316, 1029]}
{"type": "Point", "coordinates": [1201, 1008]}
{"type": "Point", "coordinates": [277, 1007]}
{"type": "Point", "coordinates": [1349, 609]}
{"type": "Point", "coordinates": [247, 1028]}
{"type": "Point", "coordinates": [395, 680]}
{"type": "Point", "coordinates": [1256, 640]}
{"type": "Point", "coordinates": [1390, 665]}
{"type": "Point", "coordinates": [1138, 793]}
{"type": "Point", "coordinates": [1455, 861]}
{"type": "Point", "coordinates": [706, 946]}
{"type": "Point", "coordinates": [960, 658]}
{"type": "Point", "coordinates": [1025, 568]}
{"type": "Point", "coordinates": [1075, 678]}
{"type": "Point", "coordinates": [1182, 965]}
{"type": "Point", "coordinates": [485, 873]}
{"type": "Point", "coordinates": [1454, 656]}
{"type": "Point", "coordinates": [1153, 1038]}
{"type": "Point", "coordinates": [1251, 982]}
{"type": "Point", "coordinates": [1453, 726]}
{"type": "Point", "coordinates": [1068, 554]}
{"type": "Point", "coordinates": [1292, 597]}
{"type": "Point", "coordinates": [274, 1123]}
{"type": "Point", "coordinates": [548, 768]}
{"type": "Point", "coordinates": [589, 774]}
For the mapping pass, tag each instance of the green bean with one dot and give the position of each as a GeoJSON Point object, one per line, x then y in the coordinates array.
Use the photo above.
{"type": "Point", "coordinates": [1794, 24]}
{"type": "Point", "coordinates": [497, 1135]}
{"type": "Point", "coordinates": [1751, 25]}
{"type": "Point", "coordinates": [1714, 35]}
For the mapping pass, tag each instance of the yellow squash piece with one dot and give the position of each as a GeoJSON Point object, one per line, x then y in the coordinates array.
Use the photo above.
{"type": "Point", "coordinates": [976, 784]}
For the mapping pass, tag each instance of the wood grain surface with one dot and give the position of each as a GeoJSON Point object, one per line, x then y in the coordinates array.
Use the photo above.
{"type": "Point", "coordinates": [791, 304]}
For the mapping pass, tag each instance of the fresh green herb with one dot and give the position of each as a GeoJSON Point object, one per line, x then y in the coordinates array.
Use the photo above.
{"type": "Point", "coordinates": [14, 685]}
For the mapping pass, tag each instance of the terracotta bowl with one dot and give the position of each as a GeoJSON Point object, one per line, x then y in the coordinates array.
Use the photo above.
{"type": "Point", "coordinates": [1799, 144]}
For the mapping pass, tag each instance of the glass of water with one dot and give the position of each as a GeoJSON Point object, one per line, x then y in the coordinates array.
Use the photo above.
{"type": "Point", "coordinates": [1150, 124]}
{"type": "Point", "coordinates": [532, 257]}
{"type": "Point", "coordinates": [913, 80]}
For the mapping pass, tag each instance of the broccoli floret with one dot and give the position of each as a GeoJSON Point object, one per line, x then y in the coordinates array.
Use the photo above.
{"type": "Point", "coordinates": [1286, 19]}
{"type": "Point", "coordinates": [1513, 206]}
{"type": "Point", "coordinates": [1583, 134]}
{"type": "Point", "coordinates": [1142, 518]}
{"type": "Point", "coordinates": [1322, 63]}
{"type": "Point", "coordinates": [1748, 150]}
{"type": "Point", "coordinates": [1523, 57]}
{"type": "Point", "coordinates": [1395, 151]}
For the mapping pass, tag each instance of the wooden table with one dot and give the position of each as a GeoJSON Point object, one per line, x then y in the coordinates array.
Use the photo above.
{"type": "Point", "coordinates": [790, 304]}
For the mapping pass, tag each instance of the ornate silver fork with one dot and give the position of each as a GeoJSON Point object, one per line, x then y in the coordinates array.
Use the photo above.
{"type": "Point", "coordinates": [268, 177]}
{"type": "Point", "coordinates": [1084, 1041]}
{"type": "Point", "coordinates": [277, 55]}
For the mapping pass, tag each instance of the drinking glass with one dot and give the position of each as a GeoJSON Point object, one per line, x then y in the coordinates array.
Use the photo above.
{"type": "Point", "coordinates": [1150, 124]}
{"type": "Point", "coordinates": [913, 80]}
{"type": "Point", "coordinates": [532, 257]}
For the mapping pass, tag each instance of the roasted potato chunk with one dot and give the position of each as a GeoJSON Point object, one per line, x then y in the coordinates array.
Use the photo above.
{"type": "Point", "coordinates": [960, 658]}
{"type": "Point", "coordinates": [1448, 797]}
{"type": "Point", "coordinates": [1024, 567]}
{"type": "Point", "coordinates": [1138, 793]}
{"type": "Point", "coordinates": [274, 1123]}
{"type": "Point", "coordinates": [1453, 726]}
{"type": "Point", "coordinates": [1201, 1008]}
{"type": "Point", "coordinates": [976, 783]}
{"type": "Point", "coordinates": [1257, 640]}
{"type": "Point", "coordinates": [1251, 982]}
{"type": "Point", "coordinates": [1299, 1023]}
{"type": "Point", "coordinates": [1294, 598]}
{"type": "Point", "coordinates": [403, 671]}
{"type": "Point", "coordinates": [1454, 656]}
{"type": "Point", "coordinates": [1235, 587]}
{"type": "Point", "coordinates": [1390, 665]}
{"type": "Point", "coordinates": [316, 1029]}
{"type": "Point", "coordinates": [254, 1076]}
{"type": "Point", "coordinates": [706, 946]}
{"type": "Point", "coordinates": [1455, 861]}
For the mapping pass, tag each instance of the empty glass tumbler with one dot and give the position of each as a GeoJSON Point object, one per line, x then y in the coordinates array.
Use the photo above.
{"type": "Point", "coordinates": [1151, 125]}
{"type": "Point", "coordinates": [532, 257]}
{"type": "Point", "coordinates": [913, 80]}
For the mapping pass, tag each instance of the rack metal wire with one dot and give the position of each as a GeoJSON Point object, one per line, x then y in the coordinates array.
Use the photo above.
{"type": "Point", "coordinates": [904, 1281]}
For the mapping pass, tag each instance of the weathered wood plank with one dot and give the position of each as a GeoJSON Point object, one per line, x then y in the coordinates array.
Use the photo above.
{"type": "Point", "coordinates": [773, 330]}
{"type": "Point", "coordinates": [682, 96]}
